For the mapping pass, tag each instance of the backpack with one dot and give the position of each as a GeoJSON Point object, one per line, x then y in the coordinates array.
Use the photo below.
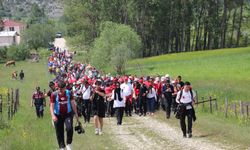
{"type": "Point", "coordinates": [191, 92]}
{"type": "Point", "coordinates": [57, 105]}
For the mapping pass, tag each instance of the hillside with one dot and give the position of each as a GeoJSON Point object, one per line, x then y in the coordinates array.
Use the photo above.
{"type": "Point", "coordinates": [221, 73]}
{"type": "Point", "coordinates": [20, 8]}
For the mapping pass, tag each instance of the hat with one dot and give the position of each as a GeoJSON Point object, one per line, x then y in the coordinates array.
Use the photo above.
{"type": "Point", "coordinates": [167, 76]}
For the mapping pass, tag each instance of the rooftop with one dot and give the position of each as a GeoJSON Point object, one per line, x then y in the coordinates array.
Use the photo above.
{"type": "Point", "coordinates": [12, 23]}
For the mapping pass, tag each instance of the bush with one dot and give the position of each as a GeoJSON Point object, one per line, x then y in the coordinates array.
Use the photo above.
{"type": "Point", "coordinates": [3, 54]}
{"type": "Point", "coordinates": [44, 53]}
{"type": "Point", "coordinates": [17, 52]}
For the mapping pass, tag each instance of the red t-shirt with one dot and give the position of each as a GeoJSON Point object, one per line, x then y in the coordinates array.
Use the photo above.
{"type": "Point", "coordinates": [62, 101]}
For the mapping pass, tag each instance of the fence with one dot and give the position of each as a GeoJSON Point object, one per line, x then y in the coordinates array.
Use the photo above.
{"type": "Point", "coordinates": [9, 104]}
{"type": "Point", "coordinates": [235, 109]}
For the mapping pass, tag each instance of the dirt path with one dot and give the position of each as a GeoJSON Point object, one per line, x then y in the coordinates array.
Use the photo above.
{"type": "Point", "coordinates": [143, 133]}
{"type": "Point", "coordinates": [60, 42]}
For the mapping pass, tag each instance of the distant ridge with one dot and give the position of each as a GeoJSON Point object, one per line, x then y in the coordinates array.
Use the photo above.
{"type": "Point", "coordinates": [53, 8]}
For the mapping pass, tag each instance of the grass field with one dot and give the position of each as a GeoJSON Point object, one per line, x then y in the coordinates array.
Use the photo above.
{"type": "Point", "coordinates": [26, 132]}
{"type": "Point", "coordinates": [218, 73]}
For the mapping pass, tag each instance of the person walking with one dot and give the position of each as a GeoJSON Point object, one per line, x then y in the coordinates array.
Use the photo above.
{"type": "Point", "coordinates": [142, 98]}
{"type": "Point", "coordinates": [98, 107]}
{"type": "Point", "coordinates": [119, 103]}
{"type": "Point", "coordinates": [128, 93]}
{"type": "Point", "coordinates": [151, 99]}
{"type": "Point", "coordinates": [21, 75]}
{"type": "Point", "coordinates": [62, 107]}
{"type": "Point", "coordinates": [186, 99]}
{"type": "Point", "coordinates": [86, 91]}
{"type": "Point", "coordinates": [167, 91]}
{"type": "Point", "coordinates": [39, 101]}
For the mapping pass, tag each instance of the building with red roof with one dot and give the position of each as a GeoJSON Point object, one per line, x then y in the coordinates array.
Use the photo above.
{"type": "Point", "coordinates": [11, 25]}
{"type": "Point", "coordinates": [10, 31]}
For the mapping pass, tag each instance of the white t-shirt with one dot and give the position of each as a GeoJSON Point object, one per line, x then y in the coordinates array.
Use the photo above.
{"type": "Point", "coordinates": [86, 92]}
{"type": "Point", "coordinates": [118, 103]}
{"type": "Point", "coordinates": [186, 97]}
{"type": "Point", "coordinates": [126, 88]}
{"type": "Point", "coordinates": [151, 94]}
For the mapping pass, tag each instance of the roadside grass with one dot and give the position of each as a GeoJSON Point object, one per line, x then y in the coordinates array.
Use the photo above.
{"type": "Point", "coordinates": [215, 128]}
{"type": "Point", "coordinates": [28, 132]}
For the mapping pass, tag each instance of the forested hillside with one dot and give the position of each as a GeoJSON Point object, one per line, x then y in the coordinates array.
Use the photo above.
{"type": "Point", "coordinates": [164, 26]}
{"type": "Point", "coordinates": [20, 9]}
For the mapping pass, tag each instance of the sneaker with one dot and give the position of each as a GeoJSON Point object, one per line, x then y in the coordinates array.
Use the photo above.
{"type": "Point", "coordinates": [96, 131]}
{"type": "Point", "coordinates": [100, 133]}
{"type": "Point", "coordinates": [184, 135]}
{"type": "Point", "coordinates": [68, 147]}
{"type": "Point", "coordinates": [190, 135]}
{"type": "Point", "coordinates": [61, 149]}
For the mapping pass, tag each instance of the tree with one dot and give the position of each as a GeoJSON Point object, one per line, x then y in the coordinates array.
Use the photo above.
{"type": "Point", "coordinates": [38, 35]}
{"type": "Point", "coordinates": [116, 45]}
{"type": "Point", "coordinates": [37, 15]}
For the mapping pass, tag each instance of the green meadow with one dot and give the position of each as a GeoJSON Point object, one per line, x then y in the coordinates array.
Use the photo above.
{"type": "Point", "coordinates": [217, 73]}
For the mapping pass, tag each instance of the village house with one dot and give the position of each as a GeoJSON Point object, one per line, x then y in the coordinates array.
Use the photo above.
{"type": "Point", "coordinates": [10, 32]}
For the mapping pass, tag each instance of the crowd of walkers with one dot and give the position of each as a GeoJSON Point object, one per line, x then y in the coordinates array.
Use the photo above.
{"type": "Point", "coordinates": [79, 89]}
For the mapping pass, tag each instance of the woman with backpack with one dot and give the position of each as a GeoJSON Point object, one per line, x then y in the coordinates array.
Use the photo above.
{"type": "Point", "coordinates": [186, 99]}
{"type": "Point", "coordinates": [62, 108]}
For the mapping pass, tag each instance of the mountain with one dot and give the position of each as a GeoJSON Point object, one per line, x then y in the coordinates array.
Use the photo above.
{"type": "Point", "coordinates": [21, 8]}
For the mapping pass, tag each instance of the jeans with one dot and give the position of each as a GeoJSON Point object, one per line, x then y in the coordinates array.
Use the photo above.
{"type": "Point", "coordinates": [59, 126]}
{"type": "Point", "coordinates": [168, 104]}
{"type": "Point", "coordinates": [39, 110]}
{"type": "Point", "coordinates": [128, 107]}
{"type": "Point", "coordinates": [187, 113]}
{"type": "Point", "coordinates": [119, 115]}
{"type": "Point", "coordinates": [151, 104]}
{"type": "Point", "coordinates": [86, 107]}
{"type": "Point", "coordinates": [142, 105]}
{"type": "Point", "coordinates": [110, 109]}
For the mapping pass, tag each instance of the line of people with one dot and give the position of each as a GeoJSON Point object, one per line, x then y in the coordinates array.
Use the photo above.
{"type": "Point", "coordinates": [79, 89]}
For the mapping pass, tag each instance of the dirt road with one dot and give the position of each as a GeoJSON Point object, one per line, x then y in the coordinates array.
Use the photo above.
{"type": "Point", "coordinates": [60, 42]}
{"type": "Point", "coordinates": [146, 133]}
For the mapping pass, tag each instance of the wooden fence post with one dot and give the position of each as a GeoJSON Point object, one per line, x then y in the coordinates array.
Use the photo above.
{"type": "Point", "coordinates": [9, 111]}
{"type": "Point", "coordinates": [12, 103]}
{"type": "Point", "coordinates": [203, 105]}
{"type": "Point", "coordinates": [241, 109]}
{"type": "Point", "coordinates": [1, 103]}
{"type": "Point", "coordinates": [247, 110]}
{"type": "Point", "coordinates": [216, 105]}
{"type": "Point", "coordinates": [226, 107]}
{"type": "Point", "coordinates": [210, 104]}
{"type": "Point", "coordinates": [197, 98]}
{"type": "Point", "coordinates": [235, 109]}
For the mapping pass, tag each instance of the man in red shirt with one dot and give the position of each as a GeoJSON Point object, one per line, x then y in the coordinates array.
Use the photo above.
{"type": "Point", "coordinates": [61, 105]}
{"type": "Point", "coordinates": [39, 101]}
